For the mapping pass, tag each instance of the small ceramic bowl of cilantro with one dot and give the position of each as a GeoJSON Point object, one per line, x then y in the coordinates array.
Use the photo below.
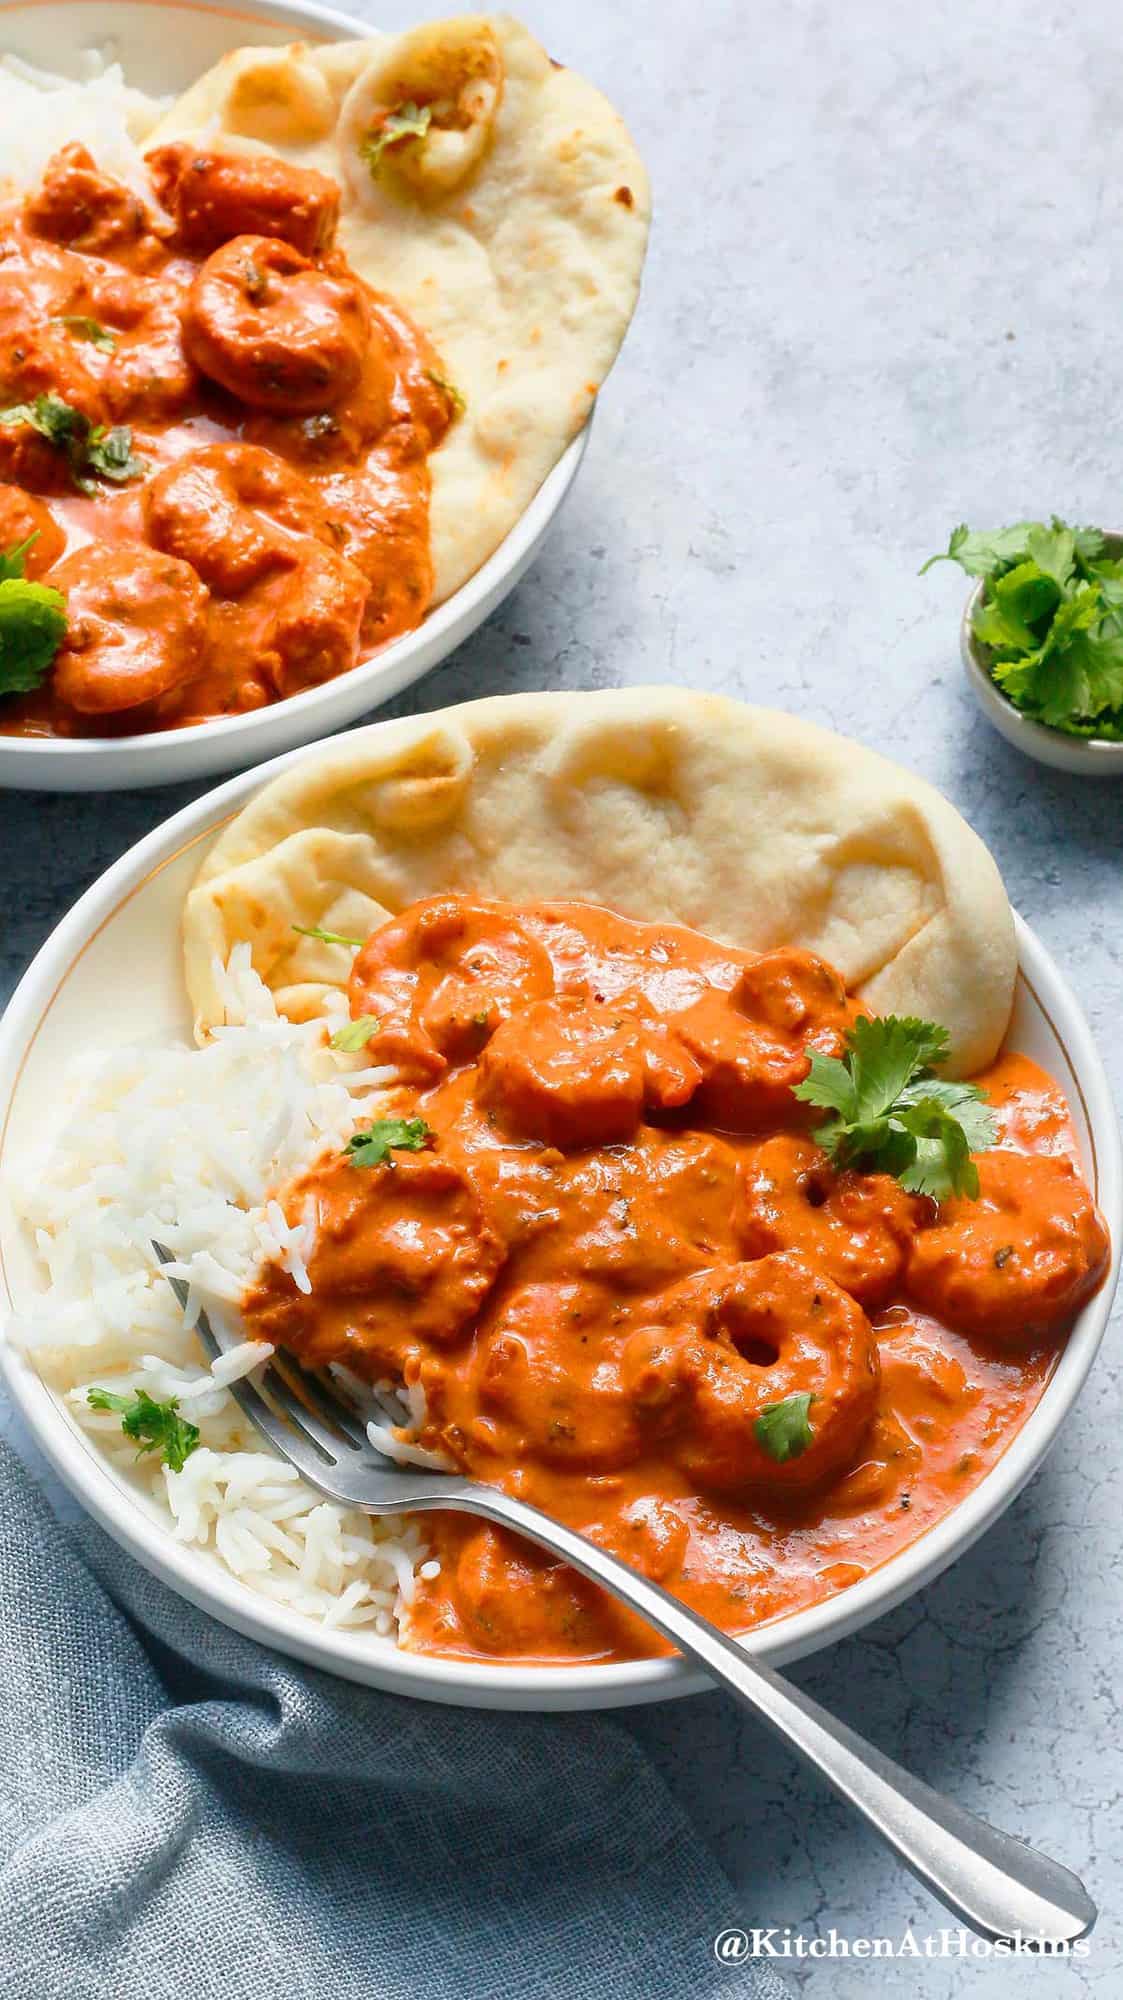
{"type": "Point", "coordinates": [1042, 639]}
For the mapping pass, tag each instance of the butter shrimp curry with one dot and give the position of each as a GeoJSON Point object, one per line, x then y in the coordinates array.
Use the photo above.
{"type": "Point", "coordinates": [679, 1243]}
{"type": "Point", "coordinates": [214, 444]}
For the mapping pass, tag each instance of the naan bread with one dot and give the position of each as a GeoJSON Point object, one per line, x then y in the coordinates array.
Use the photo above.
{"type": "Point", "coordinates": [749, 825]}
{"type": "Point", "coordinates": [513, 230]}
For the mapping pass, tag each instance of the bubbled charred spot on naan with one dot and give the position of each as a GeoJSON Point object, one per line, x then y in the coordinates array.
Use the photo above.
{"type": "Point", "coordinates": [495, 195]}
{"type": "Point", "coordinates": [753, 827]}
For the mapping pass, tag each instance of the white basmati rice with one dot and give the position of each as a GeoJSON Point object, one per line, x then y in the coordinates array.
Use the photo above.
{"type": "Point", "coordinates": [39, 112]}
{"type": "Point", "coordinates": [182, 1146]}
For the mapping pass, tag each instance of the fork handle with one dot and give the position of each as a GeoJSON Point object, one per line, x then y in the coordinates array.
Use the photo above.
{"type": "Point", "coordinates": [1002, 1888]}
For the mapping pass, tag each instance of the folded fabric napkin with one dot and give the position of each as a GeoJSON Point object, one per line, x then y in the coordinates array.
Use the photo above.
{"type": "Point", "coordinates": [185, 1813]}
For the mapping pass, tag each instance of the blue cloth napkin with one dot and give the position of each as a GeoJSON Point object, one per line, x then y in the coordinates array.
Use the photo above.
{"type": "Point", "coordinates": [183, 1813]}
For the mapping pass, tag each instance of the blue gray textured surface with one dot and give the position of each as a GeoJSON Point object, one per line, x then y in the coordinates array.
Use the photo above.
{"type": "Point", "coordinates": [180, 1808]}
{"type": "Point", "coordinates": [880, 299]}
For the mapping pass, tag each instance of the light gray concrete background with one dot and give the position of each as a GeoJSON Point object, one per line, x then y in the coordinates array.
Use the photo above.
{"type": "Point", "coordinates": [883, 296]}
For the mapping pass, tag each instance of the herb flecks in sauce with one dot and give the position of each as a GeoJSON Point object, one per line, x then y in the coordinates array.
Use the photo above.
{"type": "Point", "coordinates": [459, 402]}
{"type": "Point", "coordinates": [91, 450]}
{"type": "Point", "coordinates": [82, 327]}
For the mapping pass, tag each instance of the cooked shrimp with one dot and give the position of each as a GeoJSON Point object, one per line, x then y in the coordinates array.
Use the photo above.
{"type": "Point", "coordinates": [855, 1227]}
{"type": "Point", "coordinates": [214, 196]}
{"type": "Point", "coordinates": [730, 1344]}
{"type": "Point", "coordinates": [302, 624]}
{"type": "Point", "coordinates": [275, 329]}
{"type": "Point", "coordinates": [145, 376]}
{"type": "Point", "coordinates": [23, 519]}
{"type": "Point", "coordinates": [136, 628]}
{"type": "Point", "coordinates": [403, 1255]}
{"type": "Point", "coordinates": [576, 1072]}
{"type": "Point", "coordinates": [508, 1593]}
{"type": "Point", "coordinates": [78, 204]}
{"type": "Point", "coordinates": [37, 359]}
{"type": "Point", "coordinates": [568, 1410]}
{"type": "Point", "coordinates": [1020, 1259]}
{"type": "Point", "coordinates": [752, 1042]}
{"type": "Point", "coordinates": [441, 979]}
{"type": "Point", "coordinates": [232, 511]}
{"type": "Point", "coordinates": [385, 519]}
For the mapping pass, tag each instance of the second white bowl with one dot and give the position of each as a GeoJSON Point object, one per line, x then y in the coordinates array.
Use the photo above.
{"type": "Point", "coordinates": [162, 49]}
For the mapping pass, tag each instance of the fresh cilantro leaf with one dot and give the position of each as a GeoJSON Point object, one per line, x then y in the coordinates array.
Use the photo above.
{"type": "Point", "coordinates": [1103, 664]}
{"type": "Point", "coordinates": [152, 1426]}
{"type": "Point", "coordinates": [883, 1055]}
{"type": "Point", "coordinates": [941, 1162]}
{"type": "Point", "coordinates": [108, 453]}
{"type": "Point", "coordinates": [999, 625]}
{"type": "Point", "coordinates": [1089, 545]}
{"type": "Point", "coordinates": [889, 1114]}
{"type": "Point", "coordinates": [12, 560]}
{"type": "Point", "coordinates": [1027, 593]}
{"type": "Point", "coordinates": [830, 1085]}
{"type": "Point", "coordinates": [1053, 685]}
{"type": "Point", "coordinates": [447, 388]}
{"type": "Point", "coordinates": [962, 1101]}
{"type": "Point", "coordinates": [32, 628]}
{"type": "Point", "coordinates": [1053, 549]}
{"type": "Point", "coordinates": [49, 415]}
{"type": "Point", "coordinates": [328, 937]}
{"type": "Point", "coordinates": [82, 328]}
{"type": "Point", "coordinates": [1109, 575]}
{"type": "Point", "coordinates": [355, 1035]}
{"type": "Point", "coordinates": [409, 121]}
{"type": "Point", "coordinates": [783, 1429]}
{"type": "Point", "coordinates": [372, 1148]}
{"type": "Point", "coordinates": [985, 554]}
{"type": "Point", "coordinates": [1074, 671]}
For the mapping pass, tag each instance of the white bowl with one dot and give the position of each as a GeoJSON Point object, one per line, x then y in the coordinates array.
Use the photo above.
{"type": "Point", "coordinates": [1087, 757]}
{"type": "Point", "coordinates": [111, 971]}
{"type": "Point", "coordinates": [162, 49]}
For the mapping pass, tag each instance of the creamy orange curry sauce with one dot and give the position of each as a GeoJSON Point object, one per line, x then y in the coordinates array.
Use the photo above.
{"type": "Point", "coordinates": [236, 507]}
{"type": "Point", "coordinates": [619, 1246]}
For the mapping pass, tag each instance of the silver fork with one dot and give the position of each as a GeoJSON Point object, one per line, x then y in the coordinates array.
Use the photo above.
{"type": "Point", "coordinates": [1004, 1889]}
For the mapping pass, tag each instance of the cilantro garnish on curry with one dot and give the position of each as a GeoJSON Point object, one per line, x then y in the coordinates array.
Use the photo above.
{"type": "Point", "coordinates": [680, 1242]}
{"type": "Point", "coordinates": [377, 1143]}
{"type": "Point", "coordinates": [889, 1112]}
{"type": "Point", "coordinates": [32, 622]}
{"type": "Point", "coordinates": [1050, 620]}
